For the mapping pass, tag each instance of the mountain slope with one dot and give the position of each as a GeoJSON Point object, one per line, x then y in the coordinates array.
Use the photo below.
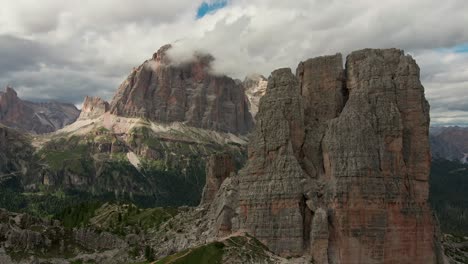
{"type": "Point", "coordinates": [34, 117]}
{"type": "Point", "coordinates": [156, 164]}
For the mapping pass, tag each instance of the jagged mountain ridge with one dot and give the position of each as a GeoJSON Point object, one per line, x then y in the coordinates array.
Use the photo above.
{"type": "Point", "coordinates": [33, 117]}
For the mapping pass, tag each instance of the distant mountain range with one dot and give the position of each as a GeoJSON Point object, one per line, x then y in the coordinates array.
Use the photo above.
{"type": "Point", "coordinates": [33, 117]}
{"type": "Point", "coordinates": [449, 143]}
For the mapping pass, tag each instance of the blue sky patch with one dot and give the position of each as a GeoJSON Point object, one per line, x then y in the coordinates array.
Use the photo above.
{"type": "Point", "coordinates": [461, 48]}
{"type": "Point", "coordinates": [206, 8]}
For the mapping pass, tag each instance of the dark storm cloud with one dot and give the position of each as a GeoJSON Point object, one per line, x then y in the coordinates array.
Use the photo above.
{"type": "Point", "coordinates": [20, 54]}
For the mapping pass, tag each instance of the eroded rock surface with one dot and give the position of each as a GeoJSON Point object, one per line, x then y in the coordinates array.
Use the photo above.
{"type": "Point", "coordinates": [167, 92]}
{"type": "Point", "coordinates": [338, 168]}
{"type": "Point", "coordinates": [93, 107]}
{"type": "Point", "coordinates": [271, 185]}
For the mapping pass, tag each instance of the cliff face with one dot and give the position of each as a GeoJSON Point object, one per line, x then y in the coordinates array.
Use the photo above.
{"type": "Point", "coordinates": [34, 117]}
{"type": "Point", "coordinates": [338, 168]}
{"type": "Point", "coordinates": [271, 183]}
{"type": "Point", "coordinates": [188, 93]}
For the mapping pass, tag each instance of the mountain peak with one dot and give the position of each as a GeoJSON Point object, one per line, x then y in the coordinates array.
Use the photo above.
{"type": "Point", "coordinates": [161, 55]}
{"type": "Point", "coordinates": [10, 90]}
{"type": "Point", "coordinates": [93, 107]}
{"type": "Point", "coordinates": [166, 90]}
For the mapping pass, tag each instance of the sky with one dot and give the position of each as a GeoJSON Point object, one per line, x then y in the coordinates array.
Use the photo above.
{"type": "Point", "coordinates": [65, 50]}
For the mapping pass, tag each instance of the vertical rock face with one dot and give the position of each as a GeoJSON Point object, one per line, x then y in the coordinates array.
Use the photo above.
{"type": "Point", "coordinates": [34, 117]}
{"type": "Point", "coordinates": [93, 107]}
{"type": "Point", "coordinates": [218, 168]}
{"type": "Point", "coordinates": [271, 184]}
{"type": "Point", "coordinates": [338, 167]}
{"type": "Point", "coordinates": [167, 92]}
{"type": "Point", "coordinates": [255, 87]}
{"type": "Point", "coordinates": [377, 155]}
{"type": "Point", "coordinates": [322, 86]}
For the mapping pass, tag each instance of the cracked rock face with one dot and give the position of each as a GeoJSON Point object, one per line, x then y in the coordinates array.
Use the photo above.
{"type": "Point", "coordinates": [271, 184]}
{"type": "Point", "coordinates": [339, 162]}
{"type": "Point", "coordinates": [163, 91]}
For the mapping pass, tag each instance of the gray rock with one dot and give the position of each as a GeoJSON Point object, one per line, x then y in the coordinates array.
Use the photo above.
{"type": "Point", "coordinates": [34, 117]}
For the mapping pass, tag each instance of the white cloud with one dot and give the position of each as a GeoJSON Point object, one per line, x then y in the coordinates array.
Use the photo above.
{"type": "Point", "coordinates": [102, 40]}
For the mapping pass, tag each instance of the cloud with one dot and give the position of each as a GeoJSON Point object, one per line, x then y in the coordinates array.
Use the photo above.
{"type": "Point", "coordinates": [444, 74]}
{"type": "Point", "coordinates": [88, 47]}
{"type": "Point", "coordinates": [18, 54]}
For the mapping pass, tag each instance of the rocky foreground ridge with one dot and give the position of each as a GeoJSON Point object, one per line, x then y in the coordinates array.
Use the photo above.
{"type": "Point", "coordinates": [337, 169]}
{"type": "Point", "coordinates": [33, 117]}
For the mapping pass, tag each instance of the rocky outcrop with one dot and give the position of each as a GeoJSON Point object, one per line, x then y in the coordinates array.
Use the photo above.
{"type": "Point", "coordinates": [218, 168]}
{"type": "Point", "coordinates": [338, 168]}
{"type": "Point", "coordinates": [93, 107]}
{"type": "Point", "coordinates": [255, 87]}
{"type": "Point", "coordinates": [163, 91]}
{"type": "Point", "coordinates": [34, 117]}
{"type": "Point", "coordinates": [28, 239]}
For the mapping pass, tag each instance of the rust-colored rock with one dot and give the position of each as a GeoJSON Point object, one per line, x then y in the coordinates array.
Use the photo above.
{"type": "Point", "coordinates": [322, 86]}
{"type": "Point", "coordinates": [218, 168]}
{"type": "Point", "coordinates": [93, 107]}
{"type": "Point", "coordinates": [376, 153]}
{"type": "Point", "coordinates": [271, 184]}
{"type": "Point", "coordinates": [338, 167]}
{"type": "Point", "coordinates": [163, 91]}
